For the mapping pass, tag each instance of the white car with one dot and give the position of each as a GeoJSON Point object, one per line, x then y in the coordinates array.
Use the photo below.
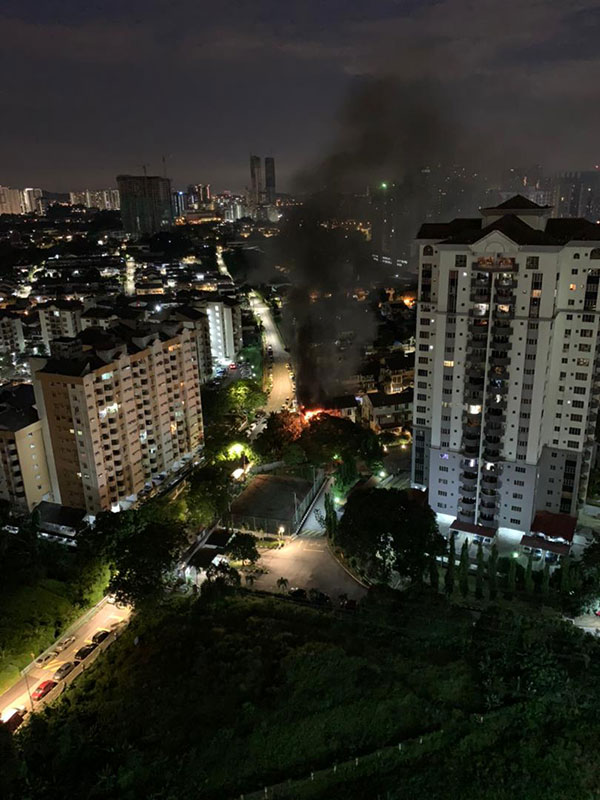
{"type": "Point", "coordinates": [45, 658]}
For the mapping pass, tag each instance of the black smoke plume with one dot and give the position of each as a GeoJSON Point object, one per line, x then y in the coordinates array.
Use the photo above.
{"type": "Point", "coordinates": [387, 132]}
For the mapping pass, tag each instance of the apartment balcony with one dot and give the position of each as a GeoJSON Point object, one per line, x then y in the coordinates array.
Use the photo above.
{"type": "Point", "coordinates": [477, 356]}
{"type": "Point", "coordinates": [471, 434]}
{"type": "Point", "coordinates": [489, 481]}
{"type": "Point", "coordinates": [489, 494]}
{"type": "Point", "coordinates": [501, 345]}
{"type": "Point", "coordinates": [503, 314]}
{"type": "Point", "coordinates": [480, 295]}
{"type": "Point", "coordinates": [468, 463]}
{"type": "Point", "coordinates": [473, 397]}
{"type": "Point", "coordinates": [471, 448]}
{"type": "Point", "coordinates": [501, 327]}
{"type": "Point", "coordinates": [499, 359]}
{"type": "Point", "coordinates": [486, 519]}
{"type": "Point", "coordinates": [468, 491]}
{"type": "Point", "coordinates": [466, 515]}
{"type": "Point", "coordinates": [479, 313]}
{"type": "Point", "coordinates": [491, 453]}
{"type": "Point", "coordinates": [506, 283]}
{"type": "Point", "coordinates": [504, 296]}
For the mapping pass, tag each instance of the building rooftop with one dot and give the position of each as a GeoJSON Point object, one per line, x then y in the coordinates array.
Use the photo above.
{"type": "Point", "coordinates": [476, 530]}
{"type": "Point", "coordinates": [554, 526]}
{"type": "Point", "coordinates": [540, 543]}
{"type": "Point", "coordinates": [382, 400]}
{"type": "Point", "coordinates": [518, 203]}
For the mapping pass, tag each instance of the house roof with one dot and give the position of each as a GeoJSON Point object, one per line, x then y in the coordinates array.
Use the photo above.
{"type": "Point", "coordinates": [543, 544]}
{"type": "Point", "coordinates": [577, 228]}
{"type": "Point", "coordinates": [518, 203]}
{"type": "Point", "coordinates": [55, 514]}
{"type": "Point", "coordinates": [382, 400]}
{"type": "Point", "coordinates": [468, 527]}
{"type": "Point", "coordinates": [511, 226]}
{"type": "Point", "coordinates": [554, 526]}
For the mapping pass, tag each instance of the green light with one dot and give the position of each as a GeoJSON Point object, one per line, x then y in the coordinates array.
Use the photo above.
{"type": "Point", "coordinates": [384, 185]}
{"type": "Point", "coordinates": [236, 450]}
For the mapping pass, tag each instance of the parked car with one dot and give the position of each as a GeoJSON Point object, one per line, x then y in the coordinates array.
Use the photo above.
{"type": "Point", "coordinates": [85, 651]}
{"type": "Point", "coordinates": [297, 593]}
{"type": "Point", "coordinates": [320, 598]}
{"type": "Point", "coordinates": [100, 636]}
{"type": "Point", "coordinates": [12, 718]}
{"type": "Point", "coordinates": [43, 689]}
{"type": "Point", "coordinates": [63, 671]}
{"type": "Point", "coordinates": [64, 643]}
{"type": "Point", "coordinates": [45, 658]}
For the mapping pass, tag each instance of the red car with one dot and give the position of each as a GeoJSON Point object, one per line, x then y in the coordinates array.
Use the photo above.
{"type": "Point", "coordinates": [43, 689]}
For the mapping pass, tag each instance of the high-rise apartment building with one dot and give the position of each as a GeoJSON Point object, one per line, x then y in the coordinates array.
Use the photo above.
{"type": "Point", "coordinates": [11, 200]}
{"type": "Point", "coordinates": [59, 318]}
{"type": "Point", "coordinates": [32, 200]}
{"type": "Point", "coordinates": [577, 194]}
{"type": "Point", "coordinates": [122, 410]}
{"type": "Point", "coordinates": [12, 338]}
{"type": "Point", "coordinates": [146, 204]}
{"type": "Point", "coordinates": [256, 180]}
{"type": "Point", "coordinates": [104, 199]}
{"type": "Point", "coordinates": [24, 480]}
{"type": "Point", "coordinates": [270, 186]}
{"type": "Point", "coordinates": [225, 329]}
{"type": "Point", "coordinates": [506, 375]}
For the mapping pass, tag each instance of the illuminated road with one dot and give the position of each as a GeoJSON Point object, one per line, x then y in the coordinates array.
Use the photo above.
{"type": "Point", "coordinates": [306, 562]}
{"type": "Point", "coordinates": [283, 387]}
{"type": "Point", "coordinates": [101, 618]}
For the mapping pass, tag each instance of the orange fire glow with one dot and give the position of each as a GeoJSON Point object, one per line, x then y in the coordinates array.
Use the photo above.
{"type": "Point", "coordinates": [313, 412]}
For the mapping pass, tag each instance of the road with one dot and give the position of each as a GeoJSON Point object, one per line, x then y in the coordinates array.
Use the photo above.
{"type": "Point", "coordinates": [307, 562]}
{"type": "Point", "coordinates": [102, 617]}
{"type": "Point", "coordinates": [282, 388]}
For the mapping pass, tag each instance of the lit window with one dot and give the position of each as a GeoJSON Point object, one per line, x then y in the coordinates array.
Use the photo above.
{"type": "Point", "coordinates": [448, 363]}
{"type": "Point", "coordinates": [572, 287]}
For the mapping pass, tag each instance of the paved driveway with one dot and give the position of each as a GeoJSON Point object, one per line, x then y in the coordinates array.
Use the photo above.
{"type": "Point", "coordinates": [307, 562]}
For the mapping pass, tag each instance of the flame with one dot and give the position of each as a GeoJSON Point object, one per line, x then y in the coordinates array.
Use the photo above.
{"type": "Point", "coordinates": [314, 412]}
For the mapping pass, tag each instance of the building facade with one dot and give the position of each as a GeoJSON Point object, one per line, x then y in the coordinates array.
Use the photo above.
{"type": "Point", "coordinates": [146, 204]}
{"type": "Point", "coordinates": [24, 479]}
{"type": "Point", "coordinates": [59, 318]}
{"type": "Point", "coordinates": [122, 412]}
{"type": "Point", "coordinates": [12, 338]}
{"type": "Point", "coordinates": [506, 389]}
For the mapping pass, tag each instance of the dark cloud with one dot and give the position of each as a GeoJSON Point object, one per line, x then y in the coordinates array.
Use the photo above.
{"type": "Point", "coordinates": [94, 88]}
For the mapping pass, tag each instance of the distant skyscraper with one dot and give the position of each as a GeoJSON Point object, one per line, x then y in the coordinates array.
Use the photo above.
{"type": "Point", "coordinates": [146, 204]}
{"type": "Point", "coordinates": [577, 194]}
{"type": "Point", "coordinates": [256, 180]}
{"type": "Point", "coordinates": [179, 203]}
{"type": "Point", "coordinates": [31, 200]}
{"type": "Point", "coordinates": [270, 191]}
{"type": "Point", "coordinates": [104, 199]}
{"type": "Point", "coordinates": [11, 201]}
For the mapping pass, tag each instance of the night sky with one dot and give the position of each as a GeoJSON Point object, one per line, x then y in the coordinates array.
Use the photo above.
{"type": "Point", "coordinates": [92, 88]}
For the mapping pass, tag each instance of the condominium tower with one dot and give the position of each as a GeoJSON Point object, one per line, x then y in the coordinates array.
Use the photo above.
{"type": "Point", "coordinates": [506, 387]}
{"type": "Point", "coordinates": [118, 408]}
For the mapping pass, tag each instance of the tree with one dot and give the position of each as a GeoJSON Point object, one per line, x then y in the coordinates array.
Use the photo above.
{"type": "Point", "coordinates": [331, 518]}
{"type": "Point", "coordinates": [282, 584]}
{"type": "Point", "coordinates": [207, 494]}
{"type": "Point", "coordinates": [565, 578]}
{"type": "Point", "coordinates": [346, 474]}
{"type": "Point", "coordinates": [390, 530]}
{"type": "Point", "coordinates": [281, 432]}
{"type": "Point", "coordinates": [480, 576]}
{"type": "Point", "coordinates": [546, 580]}
{"type": "Point", "coordinates": [449, 576]}
{"type": "Point", "coordinates": [492, 569]}
{"type": "Point", "coordinates": [434, 575]}
{"type": "Point", "coordinates": [529, 584]}
{"type": "Point", "coordinates": [222, 576]}
{"type": "Point", "coordinates": [463, 569]}
{"type": "Point", "coordinates": [511, 581]}
{"type": "Point", "coordinates": [244, 397]}
{"type": "Point", "coordinates": [140, 550]}
{"type": "Point", "coordinates": [243, 548]}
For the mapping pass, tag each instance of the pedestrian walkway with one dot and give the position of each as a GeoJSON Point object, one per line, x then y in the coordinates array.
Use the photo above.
{"type": "Point", "coordinates": [312, 532]}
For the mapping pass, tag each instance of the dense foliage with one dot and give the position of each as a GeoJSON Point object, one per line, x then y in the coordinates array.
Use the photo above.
{"type": "Point", "coordinates": [231, 692]}
{"type": "Point", "coordinates": [391, 530]}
